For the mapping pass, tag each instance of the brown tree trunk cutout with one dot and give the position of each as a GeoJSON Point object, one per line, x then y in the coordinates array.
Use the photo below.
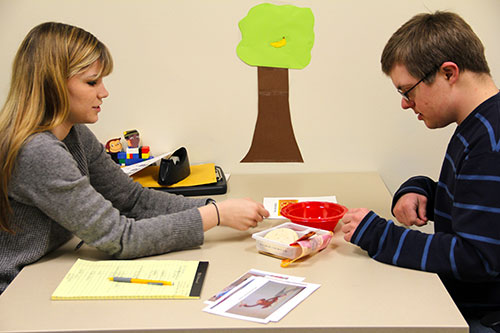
{"type": "Point", "coordinates": [273, 138]}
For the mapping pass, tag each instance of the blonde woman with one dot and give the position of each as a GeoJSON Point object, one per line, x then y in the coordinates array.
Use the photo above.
{"type": "Point", "coordinates": [56, 179]}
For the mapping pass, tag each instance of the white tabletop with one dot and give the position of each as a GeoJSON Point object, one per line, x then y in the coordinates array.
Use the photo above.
{"type": "Point", "coordinates": [357, 293]}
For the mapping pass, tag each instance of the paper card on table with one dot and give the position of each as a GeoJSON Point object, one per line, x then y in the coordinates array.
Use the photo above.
{"type": "Point", "coordinates": [262, 299]}
{"type": "Point", "coordinates": [251, 273]}
{"type": "Point", "coordinates": [276, 204]}
{"type": "Point", "coordinates": [90, 280]}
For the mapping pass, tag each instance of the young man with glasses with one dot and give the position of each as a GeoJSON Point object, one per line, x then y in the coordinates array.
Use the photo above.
{"type": "Point", "coordinates": [437, 63]}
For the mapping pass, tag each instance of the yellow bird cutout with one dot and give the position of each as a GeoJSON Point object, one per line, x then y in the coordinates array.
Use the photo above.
{"type": "Point", "coordinates": [279, 43]}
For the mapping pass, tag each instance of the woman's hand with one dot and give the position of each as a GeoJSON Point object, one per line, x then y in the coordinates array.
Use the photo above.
{"type": "Point", "coordinates": [239, 214]}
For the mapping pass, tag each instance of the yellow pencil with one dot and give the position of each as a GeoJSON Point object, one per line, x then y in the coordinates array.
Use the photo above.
{"type": "Point", "coordinates": [143, 281]}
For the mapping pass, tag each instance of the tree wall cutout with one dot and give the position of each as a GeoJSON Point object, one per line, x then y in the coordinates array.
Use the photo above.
{"type": "Point", "coordinates": [275, 39]}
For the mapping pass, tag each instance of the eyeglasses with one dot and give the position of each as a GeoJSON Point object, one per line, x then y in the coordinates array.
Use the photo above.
{"type": "Point", "coordinates": [405, 93]}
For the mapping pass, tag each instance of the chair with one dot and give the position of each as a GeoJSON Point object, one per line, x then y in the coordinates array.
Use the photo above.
{"type": "Point", "coordinates": [492, 320]}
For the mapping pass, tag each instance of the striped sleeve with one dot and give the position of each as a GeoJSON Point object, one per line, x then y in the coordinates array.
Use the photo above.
{"type": "Point", "coordinates": [421, 185]}
{"type": "Point", "coordinates": [392, 244]}
{"type": "Point", "coordinates": [471, 252]}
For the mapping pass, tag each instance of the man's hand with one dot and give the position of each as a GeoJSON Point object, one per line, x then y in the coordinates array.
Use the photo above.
{"type": "Point", "coordinates": [351, 221]}
{"type": "Point", "coordinates": [411, 209]}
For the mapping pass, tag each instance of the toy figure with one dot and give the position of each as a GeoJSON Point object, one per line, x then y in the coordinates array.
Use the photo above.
{"type": "Point", "coordinates": [134, 152]}
{"type": "Point", "coordinates": [113, 147]}
{"type": "Point", "coordinates": [132, 138]}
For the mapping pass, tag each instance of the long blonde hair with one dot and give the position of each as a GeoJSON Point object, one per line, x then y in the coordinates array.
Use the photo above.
{"type": "Point", "coordinates": [38, 101]}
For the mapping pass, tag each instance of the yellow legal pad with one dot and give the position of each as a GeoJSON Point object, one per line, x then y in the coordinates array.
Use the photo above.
{"type": "Point", "coordinates": [90, 280]}
{"type": "Point", "coordinates": [201, 174]}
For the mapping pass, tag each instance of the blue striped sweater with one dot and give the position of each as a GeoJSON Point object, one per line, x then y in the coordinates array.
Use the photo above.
{"type": "Point", "coordinates": [465, 207]}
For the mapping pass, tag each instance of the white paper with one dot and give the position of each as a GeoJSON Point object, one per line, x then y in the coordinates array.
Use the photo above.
{"type": "Point", "coordinates": [273, 204]}
{"type": "Point", "coordinates": [229, 289]}
{"type": "Point", "coordinates": [131, 169]}
{"type": "Point", "coordinates": [262, 299]}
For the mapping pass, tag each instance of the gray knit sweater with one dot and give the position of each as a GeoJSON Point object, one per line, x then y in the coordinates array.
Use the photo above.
{"type": "Point", "coordinates": [72, 187]}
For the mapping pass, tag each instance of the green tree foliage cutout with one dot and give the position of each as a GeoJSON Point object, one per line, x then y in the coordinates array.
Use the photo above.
{"type": "Point", "coordinates": [274, 39]}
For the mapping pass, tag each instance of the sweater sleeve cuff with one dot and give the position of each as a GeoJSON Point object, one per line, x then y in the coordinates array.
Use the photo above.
{"type": "Point", "coordinates": [369, 233]}
{"type": "Point", "coordinates": [421, 185]}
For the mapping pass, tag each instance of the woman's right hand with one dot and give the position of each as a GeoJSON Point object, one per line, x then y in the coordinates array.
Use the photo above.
{"type": "Point", "coordinates": [239, 214]}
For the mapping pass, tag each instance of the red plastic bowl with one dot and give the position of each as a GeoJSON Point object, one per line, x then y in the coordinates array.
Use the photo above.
{"type": "Point", "coordinates": [316, 214]}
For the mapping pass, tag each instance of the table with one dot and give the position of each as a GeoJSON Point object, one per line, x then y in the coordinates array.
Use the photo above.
{"type": "Point", "coordinates": [356, 294]}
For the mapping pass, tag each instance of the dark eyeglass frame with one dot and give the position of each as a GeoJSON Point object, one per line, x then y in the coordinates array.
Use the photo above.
{"type": "Point", "coordinates": [404, 94]}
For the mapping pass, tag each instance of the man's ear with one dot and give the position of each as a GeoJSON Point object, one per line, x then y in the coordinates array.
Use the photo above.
{"type": "Point", "coordinates": [450, 71]}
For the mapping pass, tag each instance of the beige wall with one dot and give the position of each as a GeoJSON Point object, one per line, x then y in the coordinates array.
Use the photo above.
{"type": "Point", "coordinates": [178, 80]}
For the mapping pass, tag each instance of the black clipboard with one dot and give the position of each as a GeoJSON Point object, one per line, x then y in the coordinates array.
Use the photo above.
{"type": "Point", "coordinates": [199, 278]}
{"type": "Point", "coordinates": [219, 187]}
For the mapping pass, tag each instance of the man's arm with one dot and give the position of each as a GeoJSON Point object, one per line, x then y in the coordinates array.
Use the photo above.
{"type": "Point", "coordinates": [413, 202]}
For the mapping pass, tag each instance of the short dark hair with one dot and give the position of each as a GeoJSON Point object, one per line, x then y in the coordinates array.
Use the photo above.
{"type": "Point", "coordinates": [128, 134]}
{"type": "Point", "coordinates": [427, 40]}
